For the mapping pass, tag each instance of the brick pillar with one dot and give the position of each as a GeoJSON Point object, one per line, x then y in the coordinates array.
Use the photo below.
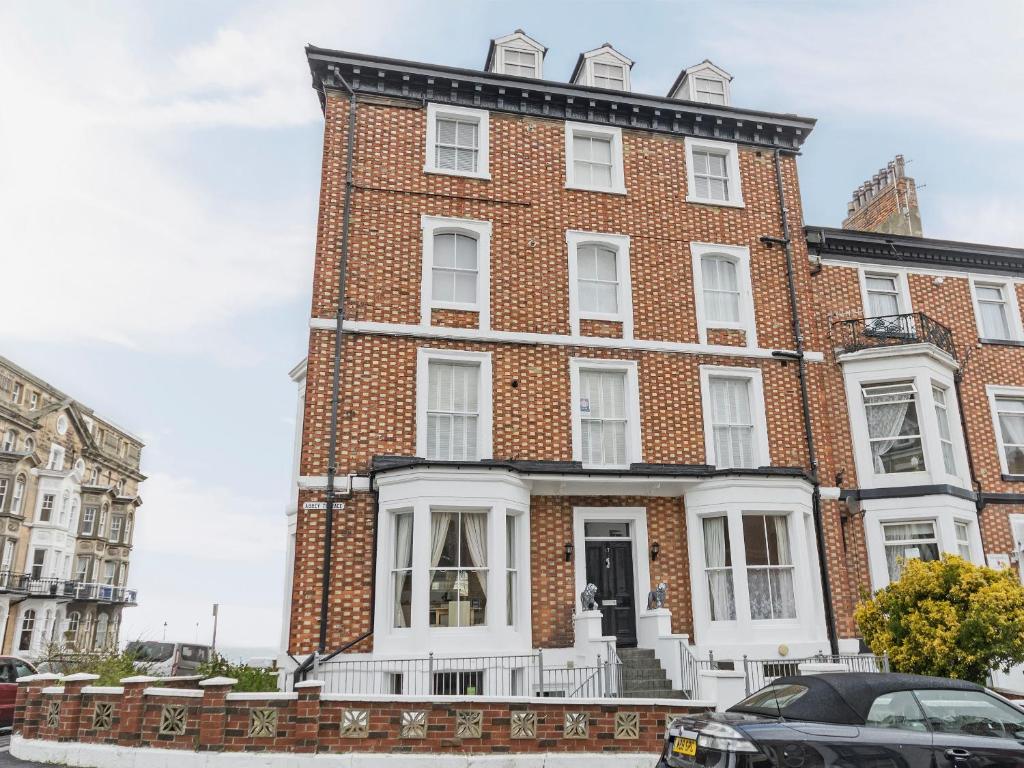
{"type": "Point", "coordinates": [129, 733]}
{"type": "Point", "coordinates": [307, 716]}
{"type": "Point", "coordinates": [213, 717]}
{"type": "Point", "coordinates": [71, 705]}
{"type": "Point", "coordinates": [29, 703]}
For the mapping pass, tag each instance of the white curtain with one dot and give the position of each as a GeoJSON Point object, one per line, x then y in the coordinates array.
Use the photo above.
{"type": "Point", "coordinates": [439, 522]}
{"type": "Point", "coordinates": [403, 561]}
{"type": "Point", "coordinates": [782, 578]}
{"type": "Point", "coordinates": [475, 527]}
{"type": "Point", "coordinates": [720, 590]}
{"type": "Point", "coordinates": [885, 420]}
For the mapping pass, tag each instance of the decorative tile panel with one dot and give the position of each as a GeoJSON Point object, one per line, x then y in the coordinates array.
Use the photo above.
{"type": "Point", "coordinates": [355, 723]}
{"type": "Point", "coordinates": [414, 724]}
{"type": "Point", "coordinates": [172, 720]}
{"type": "Point", "coordinates": [627, 725]}
{"type": "Point", "coordinates": [577, 725]}
{"type": "Point", "coordinates": [262, 722]}
{"type": "Point", "coordinates": [102, 715]}
{"type": "Point", "coordinates": [523, 725]}
{"type": "Point", "coordinates": [53, 714]}
{"type": "Point", "coordinates": [469, 724]}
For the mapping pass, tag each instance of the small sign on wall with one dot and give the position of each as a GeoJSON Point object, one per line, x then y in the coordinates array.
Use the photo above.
{"type": "Point", "coordinates": [306, 505]}
{"type": "Point", "coordinates": [998, 561]}
{"type": "Point", "coordinates": [585, 406]}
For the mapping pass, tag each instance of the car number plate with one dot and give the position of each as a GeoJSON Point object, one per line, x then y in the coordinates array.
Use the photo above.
{"type": "Point", "coordinates": [684, 747]}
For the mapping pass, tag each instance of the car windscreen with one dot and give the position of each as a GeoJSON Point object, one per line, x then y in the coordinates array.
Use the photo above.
{"type": "Point", "coordinates": [771, 700]}
{"type": "Point", "coordinates": [151, 651]}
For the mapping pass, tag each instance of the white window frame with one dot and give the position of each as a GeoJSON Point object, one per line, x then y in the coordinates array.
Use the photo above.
{"type": "Point", "coordinates": [740, 255]}
{"type": "Point", "coordinates": [503, 63]}
{"type": "Point", "coordinates": [903, 294]}
{"type": "Point", "coordinates": [935, 539]}
{"type": "Point", "coordinates": [634, 437]}
{"type": "Point", "coordinates": [481, 232]}
{"type": "Point", "coordinates": [618, 243]}
{"type": "Point", "coordinates": [424, 357]}
{"type": "Point", "coordinates": [732, 153]}
{"type": "Point", "coordinates": [994, 392]}
{"type": "Point", "coordinates": [947, 414]}
{"type": "Point", "coordinates": [755, 381]}
{"type": "Point", "coordinates": [697, 91]}
{"type": "Point", "coordinates": [1009, 292]}
{"type": "Point", "coordinates": [57, 455]}
{"type": "Point", "coordinates": [604, 55]}
{"type": "Point", "coordinates": [614, 134]}
{"type": "Point", "coordinates": [482, 119]}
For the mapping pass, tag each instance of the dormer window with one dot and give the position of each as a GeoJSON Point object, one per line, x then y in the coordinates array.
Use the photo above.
{"type": "Point", "coordinates": [704, 83]}
{"type": "Point", "coordinates": [603, 67]}
{"type": "Point", "coordinates": [517, 54]}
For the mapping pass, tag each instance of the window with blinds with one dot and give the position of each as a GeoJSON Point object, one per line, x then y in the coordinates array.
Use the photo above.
{"type": "Point", "coordinates": [457, 147]}
{"type": "Point", "coordinates": [453, 411]}
{"type": "Point", "coordinates": [711, 175]}
{"type": "Point", "coordinates": [732, 422]}
{"type": "Point", "coordinates": [598, 280]}
{"type": "Point", "coordinates": [710, 90]}
{"type": "Point", "coordinates": [603, 417]}
{"type": "Point", "coordinates": [592, 160]}
{"type": "Point", "coordinates": [455, 268]}
{"type": "Point", "coordinates": [993, 309]}
{"type": "Point", "coordinates": [720, 280]}
{"type": "Point", "coordinates": [609, 76]}
{"type": "Point", "coordinates": [520, 63]}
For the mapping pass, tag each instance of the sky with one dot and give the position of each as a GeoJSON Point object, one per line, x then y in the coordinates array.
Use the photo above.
{"type": "Point", "coordinates": [159, 170]}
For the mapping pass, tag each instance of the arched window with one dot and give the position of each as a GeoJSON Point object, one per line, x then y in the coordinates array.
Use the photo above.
{"type": "Point", "coordinates": [102, 526]}
{"type": "Point", "coordinates": [30, 445]}
{"type": "Point", "coordinates": [10, 439]}
{"type": "Point", "coordinates": [19, 495]}
{"type": "Point", "coordinates": [101, 631]}
{"type": "Point", "coordinates": [455, 269]}
{"type": "Point", "coordinates": [71, 627]}
{"type": "Point", "coordinates": [120, 487]}
{"type": "Point", "coordinates": [721, 289]}
{"type": "Point", "coordinates": [28, 623]}
{"type": "Point", "coordinates": [94, 476]}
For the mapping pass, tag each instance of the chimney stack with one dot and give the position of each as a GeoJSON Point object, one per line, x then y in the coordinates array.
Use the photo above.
{"type": "Point", "coordinates": [887, 202]}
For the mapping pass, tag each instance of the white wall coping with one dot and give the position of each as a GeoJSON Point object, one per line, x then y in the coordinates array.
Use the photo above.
{"type": "Point", "coordinates": [140, 679]}
{"type": "Point", "coordinates": [218, 681]}
{"type": "Point", "coordinates": [118, 689]}
{"type": "Point", "coordinates": [310, 684]}
{"type": "Point", "coordinates": [535, 700]}
{"type": "Point", "coordinates": [264, 696]}
{"type": "Point", "coordinates": [39, 677]}
{"type": "Point", "coordinates": [74, 753]}
{"type": "Point", "coordinates": [722, 673]}
{"type": "Point", "coordinates": [53, 689]}
{"type": "Point", "coordinates": [81, 677]}
{"type": "Point", "coordinates": [189, 692]}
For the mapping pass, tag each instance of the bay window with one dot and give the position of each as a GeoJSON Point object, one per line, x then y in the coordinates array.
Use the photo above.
{"type": "Point", "coordinates": [511, 568]}
{"type": "Point", "coordinates": [458, 575]}
{"type": "Point", "coordinates": [917, 540]}
{"type": "Point", "coordinates": [718, 568]}
{"type": "Point", "coordinates": [769, 567]}
{"type": "Point", "coordinates": [945, 436]}
{"type": "Point", "coordinates": [894, 430]}
{"type": "Point", "coordinates": [963, 538]}
{"type": "Point", "coordinates": [401, 569]}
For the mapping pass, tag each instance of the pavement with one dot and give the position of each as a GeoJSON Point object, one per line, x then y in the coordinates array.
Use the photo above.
{"type": "Point", "coordinates": [6, 761]}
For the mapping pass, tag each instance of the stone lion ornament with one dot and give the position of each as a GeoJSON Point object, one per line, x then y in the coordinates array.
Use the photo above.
{"type": "Point", "coordinates": [656, 597]}
{"type": "Point", "coordinates": [588, 598]}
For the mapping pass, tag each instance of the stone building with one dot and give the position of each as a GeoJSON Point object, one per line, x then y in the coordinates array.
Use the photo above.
{"type": "Point", "coordinates": [585, 342]}
{"type": "Point", "coordinates": [69, 492]}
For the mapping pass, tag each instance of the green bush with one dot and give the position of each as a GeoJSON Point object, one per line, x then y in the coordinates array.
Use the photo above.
{"type": "Point", "coordinates": [110, 665]}
{"type": "Point", "coordinates": [251, 679]}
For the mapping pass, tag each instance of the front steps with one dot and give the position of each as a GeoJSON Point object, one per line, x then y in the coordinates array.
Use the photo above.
{"type": "Point", "coordinates": [643, 676]}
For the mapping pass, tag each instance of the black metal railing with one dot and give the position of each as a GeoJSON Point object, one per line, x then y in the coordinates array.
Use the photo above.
{"type": "Point", "coordinates": [892, 330]}
{"type": "Point", "coordinates": [49, 586]}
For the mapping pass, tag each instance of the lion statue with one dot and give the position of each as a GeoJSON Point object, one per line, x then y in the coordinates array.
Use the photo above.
{"type": "Point", "coordinates": [656, 597]}
{"type": "Point", "coordinates": [588, 598]}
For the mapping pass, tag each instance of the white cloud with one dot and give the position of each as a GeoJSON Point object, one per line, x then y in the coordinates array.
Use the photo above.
{"type": "Point", "coordinates": [993, 221]}
{"type": "Point", "coordinates": [933, 60]}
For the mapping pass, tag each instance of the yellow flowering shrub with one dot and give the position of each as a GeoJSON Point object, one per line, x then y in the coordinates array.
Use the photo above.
{"type": "Point", "coordinates": [948, 618]}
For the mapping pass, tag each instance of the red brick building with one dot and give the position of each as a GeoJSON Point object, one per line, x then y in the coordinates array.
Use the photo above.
{"type": "Point", "coordinates": [585, 342]}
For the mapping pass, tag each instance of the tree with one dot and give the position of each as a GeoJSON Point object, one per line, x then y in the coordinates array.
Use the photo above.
{"type": "Point", "coordinates": [948, 618]}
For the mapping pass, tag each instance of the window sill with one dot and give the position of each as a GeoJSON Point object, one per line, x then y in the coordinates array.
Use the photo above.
{"type": "Point", "coordinates": [455, 305]}
{"type": "Point", "coordinates": [463, 174]}
{"type": "Point", "coordinates": [605, 190]}
{"type": "Point", "coordinates": [602, 317]}
{"type": "Point", "coordinates": [716, 203]}
{"type": "Point", "coordinates": [1012, 478]}
{"type": "Point", "coordinates": [1002, 342]}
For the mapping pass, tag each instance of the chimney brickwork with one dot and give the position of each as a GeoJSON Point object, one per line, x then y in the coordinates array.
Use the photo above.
{"type": "Point", "coordinates": [887, 202]}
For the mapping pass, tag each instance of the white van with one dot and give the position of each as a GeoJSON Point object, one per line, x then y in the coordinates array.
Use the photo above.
{"type": "Point", "coordinates": [169, 659]}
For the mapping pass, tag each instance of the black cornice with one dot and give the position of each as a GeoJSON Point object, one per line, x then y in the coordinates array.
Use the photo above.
{"type": "Point", "coordinates": [396, 78]}
{"type": "Point", "coordinates": [881, 248]}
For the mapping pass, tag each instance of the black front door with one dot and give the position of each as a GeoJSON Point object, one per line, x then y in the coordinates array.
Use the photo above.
{"type": "Point", "coordinates": [610, 568]}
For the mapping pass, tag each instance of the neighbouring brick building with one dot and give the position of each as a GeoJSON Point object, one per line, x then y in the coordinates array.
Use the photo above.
{"type": "Point", "coordinates": [585, 341]}
{"type": "Point", "coordinates": [69, 494]}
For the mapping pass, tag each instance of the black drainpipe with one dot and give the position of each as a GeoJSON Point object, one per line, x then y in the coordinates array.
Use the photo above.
{"type": "Point", "coordinates": [332, 461]}
{"type": "Point", "coordinates": [979, 501]}
{"type": "Point", "coordinates": [830, 618]}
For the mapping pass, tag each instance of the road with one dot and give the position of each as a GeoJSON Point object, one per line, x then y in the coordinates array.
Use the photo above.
{"type": "Point", "coordinates": [6, 761]}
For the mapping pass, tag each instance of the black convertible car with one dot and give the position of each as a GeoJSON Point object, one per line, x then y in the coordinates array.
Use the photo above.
{"type": "Point", "coordinates": [854, 720]}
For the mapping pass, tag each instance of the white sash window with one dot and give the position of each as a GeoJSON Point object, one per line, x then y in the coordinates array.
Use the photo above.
{"type": "Point", "coordinates": [453, 411]}
{"type": "Point", "coordinates": [894, 430]}
{"type": "Point", "coordinates": [718, 568]}
{"type": "Point", "coordinates": [769, 567]}
{"type": "Point", "coordinates": [733, 422]}
{"type": "Point", "coordinates": [603, 417]}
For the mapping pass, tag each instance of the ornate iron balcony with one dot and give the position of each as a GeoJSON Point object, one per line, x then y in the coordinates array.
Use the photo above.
{"type": "Point", "coordinates": [892, 330]}
{"type": "Point", "coordinates": [68, 589]}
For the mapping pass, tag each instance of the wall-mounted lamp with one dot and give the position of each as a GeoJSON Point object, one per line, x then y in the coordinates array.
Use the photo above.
{"type": "Point", "coordinates": [568, 551]}
{"type": "Point", "coordinates": [655, 550]}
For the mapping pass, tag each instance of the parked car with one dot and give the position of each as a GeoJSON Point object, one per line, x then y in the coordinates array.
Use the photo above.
{"type": "Point", "coordinates": [854, 720]}
{"type": "Point", "coordinates": [11, 668]}
{"type": "Point", "coordinates": [168, 659]}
